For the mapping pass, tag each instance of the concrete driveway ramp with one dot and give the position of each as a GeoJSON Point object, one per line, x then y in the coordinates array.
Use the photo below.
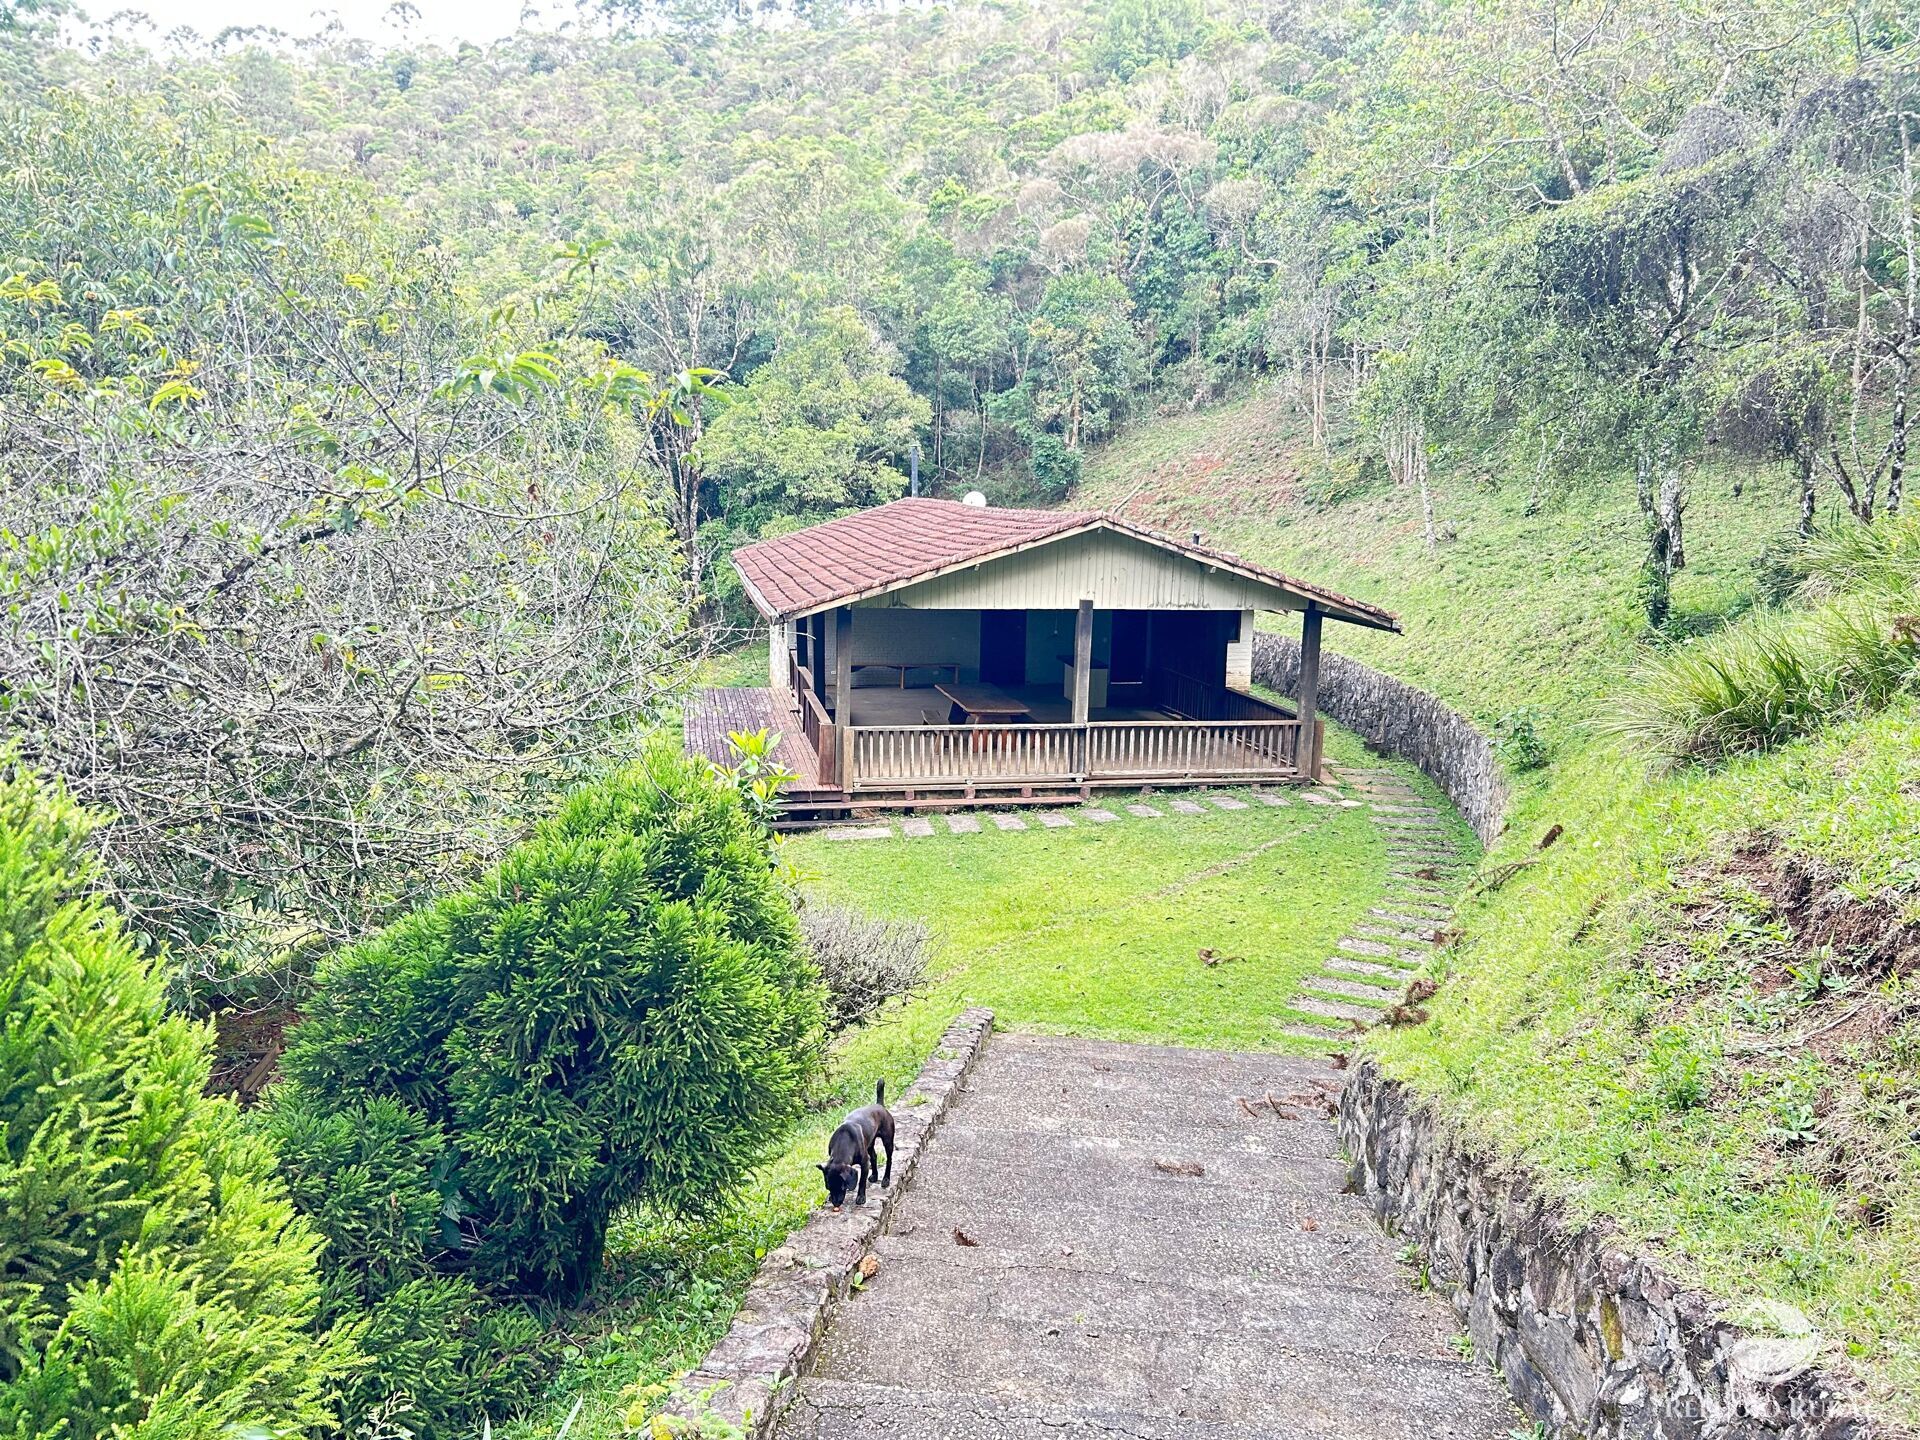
{"type": "Point", "coordinates": [1142, 1243]}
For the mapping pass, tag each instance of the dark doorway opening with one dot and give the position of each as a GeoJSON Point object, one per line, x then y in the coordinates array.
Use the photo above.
{"type": "Point", "coordinates": [1003, 648]}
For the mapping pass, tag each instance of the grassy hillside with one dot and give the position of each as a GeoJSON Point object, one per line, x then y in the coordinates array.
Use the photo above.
{"type": "Point", "coordinates": [1696, 1009]}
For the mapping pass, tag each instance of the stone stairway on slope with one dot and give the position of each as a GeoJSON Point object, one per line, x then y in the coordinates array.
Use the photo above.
{"type": "Point", "coordinates": [1057, 1270]}
{"type": "Point", "coordinates": [1370, 965]}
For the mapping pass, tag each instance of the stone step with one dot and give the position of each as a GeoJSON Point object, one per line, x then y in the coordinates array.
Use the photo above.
{"type": "Point", "coordinates": [1269, 1155]}
{"type": "Point", "coordinates": [975, 1281]}
{"type": "Point", "coordinates": [1387, 969]}
{"type": "Point", "coordinates": [1025, 1073]}
{"type": "Point", "coordinates": [1393, 932]}
{"type": "Point", "coordinates": [842, 1410]}
{"type": "Point", "coordinates": [1350, 989]}
{"type": "Point", "coordinates": [1204, 1378]}
{"type": "Point", "coordinates": [1332, 1009]}
{"type": "Point", "coordinates": [1411, 914]}
{"type": "Point", "coordinates": [973, 1191]}
{"type": "Point", "coordinates": [1197, 1242]}
{"type": "Point", "coordinates": [1123, 1057]}
{"type": "Point", "coordinates": [1131, 1114]}
{"type": "Point", "coordinates": [849, 1410]}
{"type": "Point", "coordinates": [1376, 950]}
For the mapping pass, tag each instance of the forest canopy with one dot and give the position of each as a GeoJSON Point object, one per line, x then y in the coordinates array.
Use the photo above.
{"type": "Point", "coordinates": [1612, 236]}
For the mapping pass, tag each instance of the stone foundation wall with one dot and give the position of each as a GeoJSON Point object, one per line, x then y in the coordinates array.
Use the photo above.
{"type": "Point", "coordinates": [1401, 720]}
{"type": "Point", "coordinates": [744, 1380]}
{"type": "Point", "coordinates": [1592, 1339]}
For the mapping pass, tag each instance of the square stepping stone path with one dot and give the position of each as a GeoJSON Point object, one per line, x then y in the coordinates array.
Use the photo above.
{"type": "Point", "coordinates": [1271, 799]}
{"type": "Point", "coordinates": [1145, 812]}
{"type": "Point", "coordinates": [964, 824]}
{"type": "Point", "coordinates": [1227, 802]}
{"type": "Point", "coordinates": [860, 832]}
{"type": "Point", "coordinates": [1009, 822]}
{"type": "Point", "coordinates": [1097, 815]}
{"type": "Point", "coordinates": [1055, 822]}
{"type": "Point", "coordinates": [1188, 807]}
{"type": "Point", "coordinates": [916, 827]}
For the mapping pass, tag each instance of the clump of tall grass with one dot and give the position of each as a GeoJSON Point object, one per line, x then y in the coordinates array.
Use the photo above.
{"type": "Point", "coordinates": [1878, 559]}
{"type": "Point", "coordinates": [1851, 647]}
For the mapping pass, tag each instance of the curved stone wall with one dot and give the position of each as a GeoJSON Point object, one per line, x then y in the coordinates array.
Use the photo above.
{"type": "Point", "coordinates": [1401, 720]}
{"type": "Point", "coordinates": [1592, 1338]}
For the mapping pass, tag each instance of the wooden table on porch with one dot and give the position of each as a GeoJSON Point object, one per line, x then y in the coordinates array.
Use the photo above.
{"type": "Point", "coordinates": [983, 704]}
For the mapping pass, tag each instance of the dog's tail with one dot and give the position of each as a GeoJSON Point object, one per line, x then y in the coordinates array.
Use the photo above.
{"type": "Point", "coordinates": [880, 1091]}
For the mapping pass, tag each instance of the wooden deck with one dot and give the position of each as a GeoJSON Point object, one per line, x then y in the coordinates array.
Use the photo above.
{"type": "Point", "coordinates": [713, 713]}
{"type": "Point", "coordinates": [918, 762]}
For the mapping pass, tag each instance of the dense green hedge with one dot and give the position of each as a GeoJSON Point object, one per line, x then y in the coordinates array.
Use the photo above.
{"type": "Point", "coordinates": [154, 1277]}
{"type": "Point", "coordinates": [622, 1012]}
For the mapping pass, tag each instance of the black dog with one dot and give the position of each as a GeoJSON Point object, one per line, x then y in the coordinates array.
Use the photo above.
{"type": "Point", "coordinates": [850, 1161]}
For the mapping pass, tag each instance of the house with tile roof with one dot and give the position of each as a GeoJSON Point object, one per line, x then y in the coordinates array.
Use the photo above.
{"type": "Point", "coordinates": [932, 650]}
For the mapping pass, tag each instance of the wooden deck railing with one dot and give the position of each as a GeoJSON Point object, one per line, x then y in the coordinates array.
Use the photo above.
{"type": "Point", "coordinates": [1195, 699]}
{"type": "Point", "coordinates": [893, 757]}
{"type": "Point", "coordinates": [815, 723]}
{"type": "Point", "coordinates": [1199, 749]}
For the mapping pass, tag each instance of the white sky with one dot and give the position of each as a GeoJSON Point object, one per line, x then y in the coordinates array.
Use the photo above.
{"type": "Point", "coordinates": [442, 20]}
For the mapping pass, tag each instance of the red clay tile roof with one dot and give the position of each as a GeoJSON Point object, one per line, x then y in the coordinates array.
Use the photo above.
{"type": "Point", "coordinates": [874, 551]}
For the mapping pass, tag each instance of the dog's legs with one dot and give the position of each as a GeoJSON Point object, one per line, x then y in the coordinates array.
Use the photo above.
{"type": "Point", "coordinates": [887, 1181]}
{"type": "Point", "coordinates": [866, 1171]}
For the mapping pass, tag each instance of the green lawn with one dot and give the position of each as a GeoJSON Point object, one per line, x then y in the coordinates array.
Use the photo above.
{"type": "Point", "coordinates": [1098, 930]}
{"type": "Point", "coordinates": [1094, 930]}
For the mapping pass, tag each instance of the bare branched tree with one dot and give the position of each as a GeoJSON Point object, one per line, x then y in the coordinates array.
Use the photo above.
{"type": "Point", "coordinates": [314, 584]}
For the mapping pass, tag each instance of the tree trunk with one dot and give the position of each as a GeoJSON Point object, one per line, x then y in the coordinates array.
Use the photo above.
{"type": "Point", "coordinates": [1643, 481]}
{"type": "Point", "coordinates": [1404, 443]}
{"type": "Point", "coordinates": [1897, 444]}
{"type": "Point", "coordinates": [1673, 504]}
{"type": "Point", "coordinates": [1417, 461]}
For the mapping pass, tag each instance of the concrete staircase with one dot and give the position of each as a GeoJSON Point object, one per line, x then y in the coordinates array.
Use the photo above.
{"type": "Point", "coordinates": [1109, 1291]}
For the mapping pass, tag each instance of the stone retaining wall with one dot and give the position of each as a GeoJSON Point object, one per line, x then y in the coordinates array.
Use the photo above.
{"type": "Point", "coordinates": [1591, 1339]}
{"type": "Point", "coordinates": [1401, 720]}
{"type": "Point", "coordinates": [744, 1378]}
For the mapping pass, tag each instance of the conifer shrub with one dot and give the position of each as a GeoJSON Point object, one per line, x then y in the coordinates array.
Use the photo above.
{"type": "Point", "coordinates": [155, 1278]}
{"type": "Point", "coordinates": [441, 1356]}
{"type": "Point", "coordinates": [622, 1012]}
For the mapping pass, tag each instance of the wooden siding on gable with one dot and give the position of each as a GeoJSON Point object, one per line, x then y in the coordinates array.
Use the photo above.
{"type": "Point", "coordinates": [1116, 572]}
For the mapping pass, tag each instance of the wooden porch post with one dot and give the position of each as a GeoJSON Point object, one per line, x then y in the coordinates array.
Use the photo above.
{"type": "Point", "coordinates": [843, 691]}
{"type": "Point", "coordinates": [1307, 701]}
{"type": "Point", "coordinates": [1082, 685]}
{"type": "Point", "coordinates": [817, 654]}
{"type": "Point", "coordinates": [1082, 661]}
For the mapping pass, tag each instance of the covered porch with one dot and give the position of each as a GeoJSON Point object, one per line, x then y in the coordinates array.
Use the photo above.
{"type": "Point", "coordinates": [974, 701]}
{"type": "Point", "coordinates": [1084, 653]}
